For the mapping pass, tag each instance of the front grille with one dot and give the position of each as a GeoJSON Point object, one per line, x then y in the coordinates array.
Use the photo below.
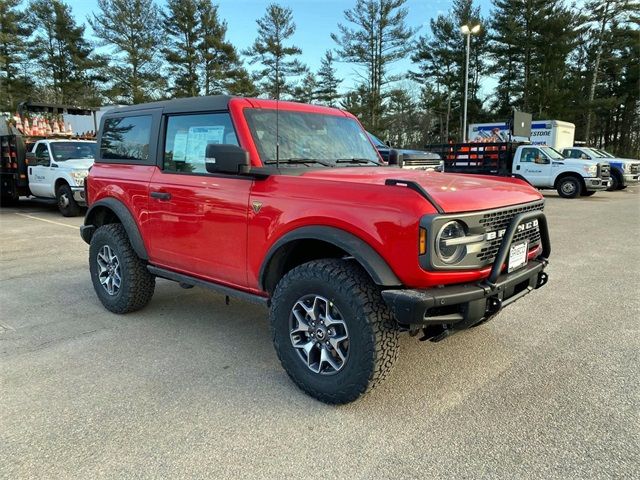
{"type": "Point", "coordinates": [605, 170]}
{"type": "Point", "coordinates": [635, 168]}
{"type": "Point", "coordinates": [422, 162]}
{"type": "Point", "coordinates": [500, 220]}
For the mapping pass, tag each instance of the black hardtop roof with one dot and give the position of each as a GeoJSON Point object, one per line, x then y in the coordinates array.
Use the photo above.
{"type": "Point", "coordinates": [178, 105]}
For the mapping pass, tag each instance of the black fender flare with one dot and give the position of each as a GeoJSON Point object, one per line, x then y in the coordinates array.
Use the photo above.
{"type": "Point", "coordinates": [361, 251]}
{"type": "Point", "coordinates": [126, 219]}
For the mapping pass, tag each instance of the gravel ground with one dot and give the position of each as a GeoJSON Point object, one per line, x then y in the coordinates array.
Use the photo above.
{"type": "Point", "coordinates": [191, 388]}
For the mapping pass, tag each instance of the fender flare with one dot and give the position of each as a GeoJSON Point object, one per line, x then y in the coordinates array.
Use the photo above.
{"type": "Point", "coordinates": [361, 251]}
{"type": "Point", "coordinates": [126, 219]}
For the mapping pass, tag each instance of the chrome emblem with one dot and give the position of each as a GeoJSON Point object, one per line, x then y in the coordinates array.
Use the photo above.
{"type": "Point", "coordinates": [256, 206]}
{"type": "Point", "coordinates": [521, 228]}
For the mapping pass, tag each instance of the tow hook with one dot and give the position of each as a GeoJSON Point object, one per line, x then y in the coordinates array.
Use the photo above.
{"type": "Point", "coordinates": [435, 333]}
{"type": "Point", "coordinates": [494, 304]}
{"type": "Point", "coordinates": [543, 278]}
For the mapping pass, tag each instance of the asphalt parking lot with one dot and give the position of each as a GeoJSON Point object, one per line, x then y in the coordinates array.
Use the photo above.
{"type": "Point", "coordinates": [191, 388]}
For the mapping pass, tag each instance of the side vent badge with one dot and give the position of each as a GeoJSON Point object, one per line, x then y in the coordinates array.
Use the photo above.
{"type": "Point", "coordinates": [256, 206]}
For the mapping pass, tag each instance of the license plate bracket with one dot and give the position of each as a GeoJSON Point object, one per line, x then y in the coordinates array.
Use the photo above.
{"type": "Point", "coordinates": [517, 255]}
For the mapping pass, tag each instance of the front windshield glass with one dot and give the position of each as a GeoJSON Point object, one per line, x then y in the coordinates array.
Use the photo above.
{"type": "Point", "coordinates": [605, 154]}
{"type": "Point", "coordinates": [376, 141]}
{"type": "Point", "coordinates": [72, 150]}
{"type": "Point", "coordinates": [552, 153]}
{"type": "Point", "coordinates": [594, 153]}
{"type": "Point", "coordinates": [310, 139]}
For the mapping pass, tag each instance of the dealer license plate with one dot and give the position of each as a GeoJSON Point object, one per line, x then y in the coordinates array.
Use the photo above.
{"type": "Point", "coordinates": [518, 255]}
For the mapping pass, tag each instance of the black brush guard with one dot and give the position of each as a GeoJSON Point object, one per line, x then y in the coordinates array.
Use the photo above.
{"type": "Point", "coordinates": [458, 307]}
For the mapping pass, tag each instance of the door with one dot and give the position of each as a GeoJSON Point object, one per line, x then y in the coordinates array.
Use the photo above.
{"type": "Point", "coordinates": [197, 221]}
{"type": "Point", "coordinates": [535, 166]}
{"type": "Point", "coordinates": [41, 172]}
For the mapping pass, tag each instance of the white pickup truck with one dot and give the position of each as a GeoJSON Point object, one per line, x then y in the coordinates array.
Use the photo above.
{"type": "Point", "coordinates": [541, 166]}
{"type": "Point", "coordinates": [57, 170]}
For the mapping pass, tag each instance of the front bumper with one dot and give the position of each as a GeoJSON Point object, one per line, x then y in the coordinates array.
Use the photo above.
{"type": "Point", "coordinates": [79, 195]}
{"type": "Point", "coordinates": [630, 178]}
{"type": "Point", "coordinates": [596, 184]}
{"type": "Point", "coordinates": [462, 306]}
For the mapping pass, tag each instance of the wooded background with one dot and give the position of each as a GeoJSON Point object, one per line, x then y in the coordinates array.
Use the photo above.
{"type": "Point", "coordinates": [548, 57]}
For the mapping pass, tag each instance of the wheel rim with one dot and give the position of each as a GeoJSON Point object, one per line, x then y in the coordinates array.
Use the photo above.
{"type": "Point", "coordinates": [63, 200]}
{"type": "Point", "coordinates": [319, 334]}
{"type": "Point", "coordinates": [109, 270]}
{"type": "Point", "coordinates": [568, 188]}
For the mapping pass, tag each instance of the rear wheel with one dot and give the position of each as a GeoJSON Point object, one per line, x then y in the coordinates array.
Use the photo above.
{"type": "Point", "coordinates": [569, 187]}
{"type": "Point", "coordinates": [66, 203]}
{"type": "Point", "coordinates": [332, 331]}
{"type": "Point", "coordinates": [121, 280]}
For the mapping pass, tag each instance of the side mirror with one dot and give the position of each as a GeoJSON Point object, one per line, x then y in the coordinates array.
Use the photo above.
{"type": "Point", "coordinates": [388, 143]}
{"type": "Point", "coordinates": [584, 156]}
{"type": "Point", "coordinates": [225, 158]}
{"type": "Point", "coordinates": [395, 158]}
{"type": "Point", "coordinates": [31, 158]}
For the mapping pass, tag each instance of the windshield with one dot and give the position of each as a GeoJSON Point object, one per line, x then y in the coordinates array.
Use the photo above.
{"type": "Point", "coordinates": [552, 153]}
{"type": "Point", "coordinates": [605, 154]}
{"type": "Point", "coordinates": [310, 139]}
{"type": "Point", "coordinates": [376, 141]}
{"type": "Point", "coordinates": [594, 153]}
{"type": "Point", "coordinates": [72, 150]}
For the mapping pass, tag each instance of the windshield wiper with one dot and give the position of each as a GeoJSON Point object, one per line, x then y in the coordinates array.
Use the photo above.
{"type": "Point", "coordinates": [300, 161]}
{"type": "Point", "coordinates": [356, 160]}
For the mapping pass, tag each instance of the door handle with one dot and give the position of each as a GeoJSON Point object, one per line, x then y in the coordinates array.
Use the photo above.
{"type": "Point", "coordinates": [160, 195]}
{"type": "Point", "coordinates": [517, 167]}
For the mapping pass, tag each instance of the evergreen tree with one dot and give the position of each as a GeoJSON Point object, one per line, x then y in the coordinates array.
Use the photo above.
{"type": "Point", "coordinates": [327, 81]}
{"type": "Point", "coordinates": [14, 84]}
{"type": "Point", "coordinates": [220, 65]}
{"type": "Point", "coordinates": [277, 59]}
{"type": "Point", "coordinates": [181, 25]}
{"type": "Point", "coordinates": [305, 92]}
{"type": "Point", "coordinates": [379, 37]}
{"type": "Point", "coordinates": [441, 61]}
{"type": "Point", "coordinates": [133, 30]}
{"type": "Point", "coordinates": [64, 57]}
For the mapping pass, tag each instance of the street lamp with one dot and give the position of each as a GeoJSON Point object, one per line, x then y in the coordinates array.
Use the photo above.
{"type": "Point", "coordinates": [466, 30]}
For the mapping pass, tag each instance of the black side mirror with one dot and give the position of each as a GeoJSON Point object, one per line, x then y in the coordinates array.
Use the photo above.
{"type": "Point", "coordinates": [224, 158]}
{"type": "Point", "coordinates": [388, 143]}
{"type": "Point", "coordinates": [395, 158]}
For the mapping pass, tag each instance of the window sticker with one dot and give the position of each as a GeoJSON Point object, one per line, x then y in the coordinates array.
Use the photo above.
{"type": "Point", "coordinates": [197, 140]}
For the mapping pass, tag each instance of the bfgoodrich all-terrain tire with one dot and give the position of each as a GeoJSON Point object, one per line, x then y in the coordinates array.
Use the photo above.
{"type": "Point", "coordinates": [333, 333]}
{"type": "Point", "coordinates": [121, 280]}
{"type": "Point", "coordinates": [569, 187]}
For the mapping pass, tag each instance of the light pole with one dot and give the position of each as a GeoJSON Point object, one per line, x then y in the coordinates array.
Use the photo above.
{"type": "Point", "coordinates": [466, 30]}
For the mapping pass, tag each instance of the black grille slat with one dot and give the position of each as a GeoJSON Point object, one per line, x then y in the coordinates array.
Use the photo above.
{"type": "Point", "coordinates": [499, 220]}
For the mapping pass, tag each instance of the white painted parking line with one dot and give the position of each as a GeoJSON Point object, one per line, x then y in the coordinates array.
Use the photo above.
{"type": "Point", "coordinates": [48, 221]}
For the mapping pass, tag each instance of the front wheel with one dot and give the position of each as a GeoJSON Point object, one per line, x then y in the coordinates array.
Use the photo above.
{"type": "Point", "coordinates": [121, 280]}
{"type": "Point", "coordinates": [587, 194]}
{"type": "Point", "coordinates": [66, 203]}
{"type": "Point", "coordinates": [332, 331]}
{"type": "Point", "coordinates": [569, 187]}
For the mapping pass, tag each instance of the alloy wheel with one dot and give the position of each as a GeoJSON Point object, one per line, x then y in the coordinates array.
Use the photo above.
{"type": "Point", "coordinates": [109, 270]}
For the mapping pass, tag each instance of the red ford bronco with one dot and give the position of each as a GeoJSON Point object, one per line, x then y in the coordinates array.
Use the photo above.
{"type": "Point", "coordinates": [288, 205]}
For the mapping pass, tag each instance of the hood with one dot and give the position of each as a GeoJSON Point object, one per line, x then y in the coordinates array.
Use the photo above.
{"type": "Point", "coordinates": [626, 161]}
{"type": "Point", "coordinates": [76, 164]}
{"type": "Point", "coordinates": [579, 163]}
{"type": "Point", "coordinates": [454, 193]}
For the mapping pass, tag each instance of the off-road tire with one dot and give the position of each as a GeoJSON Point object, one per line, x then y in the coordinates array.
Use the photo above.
{"type": "Point", "coordinates": [137, 284]}
{"type": "Point", "coordinates": [574, 182]}
{"type": "Point", "coordinates": [70, 208]}
{"type": "Point", "coordinates": [373, 333]}
{"type": "Point", "coordinates": [616, 183]}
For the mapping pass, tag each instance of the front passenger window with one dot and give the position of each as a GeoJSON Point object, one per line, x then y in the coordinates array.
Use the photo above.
{"type": "Point", "coordinates": [42, 155]}
{"type": "Point", "coordinates": [188, 137]}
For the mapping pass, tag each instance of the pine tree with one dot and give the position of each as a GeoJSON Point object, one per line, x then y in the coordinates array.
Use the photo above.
{"type": "Point", "coordinates": [220, 66]}
{"type": "Point", "coordinates": [277, 59]}
{"type": "Point", "coordinates": [181, 25]}
{"type": "Point", "coordinates": [133, 30]}
{"type": "Point", "coordinates": [65, 58]}
{"type": "Point", "coordinates": [14, 85]}
{"type": "Point", "coordinates": [379, 37]}
{"type": "Point", "coordinates": [441, 61]}
{"type": "Point", "coordinates": [305, 92]}
{"type": "Point", "coordinates": [327, 81]}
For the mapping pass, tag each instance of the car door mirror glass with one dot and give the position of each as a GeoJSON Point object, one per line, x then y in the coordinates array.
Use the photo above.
{"type": "Point", "coordinates": [226, 158]}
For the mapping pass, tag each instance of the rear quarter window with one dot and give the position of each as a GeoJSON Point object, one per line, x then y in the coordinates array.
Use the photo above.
{"type": "Point", "coordinates": [126, 138]}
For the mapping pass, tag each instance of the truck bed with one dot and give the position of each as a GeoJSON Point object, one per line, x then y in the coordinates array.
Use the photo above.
{"type": "Point", "coordinates": [477, 158]}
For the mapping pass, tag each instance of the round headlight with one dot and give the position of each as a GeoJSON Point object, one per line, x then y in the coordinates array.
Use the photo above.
{"type": "Point", "coordinates": [448, 251]}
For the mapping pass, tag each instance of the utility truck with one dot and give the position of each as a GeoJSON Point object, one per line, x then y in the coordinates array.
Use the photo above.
{"type": "Point", "coordinates": [552, 133]}
{"type": "Point", "coordinates": [541, 166]}
{"type": "Point", "coordinates": [624, 171]}
{"type": "Point", "coordinates": [44, 161]}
